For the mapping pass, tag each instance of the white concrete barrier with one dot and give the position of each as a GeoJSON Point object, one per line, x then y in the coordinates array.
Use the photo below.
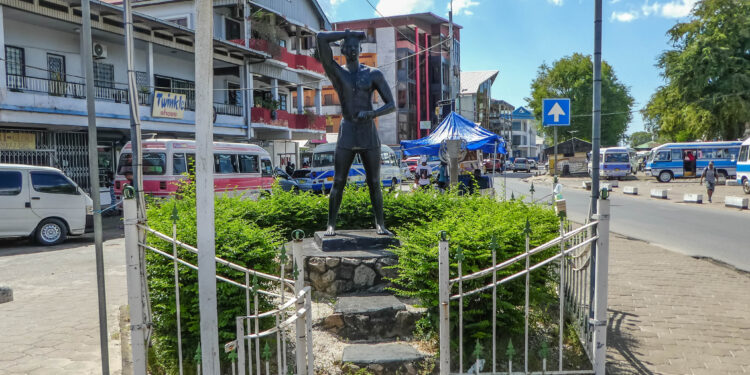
{"type": "Point", "coordinates": [614, 183]}
{"type": "Point", "coordinates": [659, 193]}
{"type": "Point", "coordinates": [738, 202]}
{"type": "Point", "coordinates": [632, 190]}
{"type": "Point", "coordinates": [607, 186]}
{"type": "Point", "coordinates": [586, 185]}
{"type": "Point", "coordinates": [730, 182]}
{"type": "Point", "coordinates": [693, 198]}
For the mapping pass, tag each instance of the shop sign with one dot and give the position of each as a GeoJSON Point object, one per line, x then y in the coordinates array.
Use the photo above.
{"type": "Point", "coordinates": [17, 141]}
{"type": "Point", "coordinates": [168, 105]}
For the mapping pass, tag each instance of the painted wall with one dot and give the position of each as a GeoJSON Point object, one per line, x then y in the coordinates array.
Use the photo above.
{"type": "Point", "coordinates": [386, 52]}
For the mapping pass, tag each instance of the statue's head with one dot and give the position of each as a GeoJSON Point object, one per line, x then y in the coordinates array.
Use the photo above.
{"type": "Point", "coordinates": [351, 47]}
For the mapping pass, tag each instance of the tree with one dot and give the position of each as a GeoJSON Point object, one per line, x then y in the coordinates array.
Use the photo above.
{"type": "Point", "coordinates": [638, 138]}
{"type": "Point", "coordinates": [572, 77]}
{"type": "Point", "coordinates": [707, 74]}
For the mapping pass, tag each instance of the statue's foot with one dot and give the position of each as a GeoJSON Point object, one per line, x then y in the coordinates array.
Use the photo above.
{"type": "Point", "coordinates": [380, 229]}
{"type": "Point", "coordinates": [330, 231]}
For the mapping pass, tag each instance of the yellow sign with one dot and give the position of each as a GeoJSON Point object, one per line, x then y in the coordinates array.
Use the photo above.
{"type": "Point", "coordinates": [169, 105]}
{"type": "Point", "coordinates": [17, 141]}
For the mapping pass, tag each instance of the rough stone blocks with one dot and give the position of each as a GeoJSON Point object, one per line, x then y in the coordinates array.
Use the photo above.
{"type": "Point", "coordinates": [6, 294]}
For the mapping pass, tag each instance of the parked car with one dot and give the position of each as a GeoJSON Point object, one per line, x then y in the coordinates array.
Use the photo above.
{"type": "Point", "coordinates": [303, 180]}
{"type": "Point", "coordinates": [406, 172]}
{"type": "Point", "coordinates": [532, 163]}
{"type": "Point", "coordinates": [488, 165]}
{"type": "Point", "coordinates": [41, 202]}
{"type": "Point", "coordinates": [286, 181]}
{"type": "Point", "coordinates": [521, 164]}
{"type": "Point", "coordinates": [412, 164]}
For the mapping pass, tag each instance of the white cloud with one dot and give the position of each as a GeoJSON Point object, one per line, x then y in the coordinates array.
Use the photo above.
{"type": "Point", "coordinates": [336, 2]}
{"type": "Point", "coordinates": [649, 9]}
{"type": "Point", "coordinates": [556, 2]}
{"type": "Point", "coordinates": [624, 16]}
{"type": "Point", "coordinates": [462, 5]}
{"type": "Point", "coordinates": [677, 8]}
{"type": "Point", "coordinates": [396, 7]}
{"type": "Point", "coordinates": [614, 1]}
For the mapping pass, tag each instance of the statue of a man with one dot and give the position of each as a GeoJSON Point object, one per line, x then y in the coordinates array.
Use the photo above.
{"type": "Point", "coordinates": [355, 84]}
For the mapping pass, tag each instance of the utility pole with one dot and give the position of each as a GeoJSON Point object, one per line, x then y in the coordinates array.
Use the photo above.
{"type": "Point", "coordinates": [596, 119]}
{"type": "Point", "coordinates": [204, 186]}
{"type": "Point", "coordinates": [135, 116]}
{"type": "Point", "coordinates": [88, 64]}
{"type": "Point", "coordinates": [450, 61]}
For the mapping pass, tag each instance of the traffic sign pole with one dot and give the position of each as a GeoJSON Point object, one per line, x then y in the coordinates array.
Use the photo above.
{"type": "Point", "coordinates": [554, 170]}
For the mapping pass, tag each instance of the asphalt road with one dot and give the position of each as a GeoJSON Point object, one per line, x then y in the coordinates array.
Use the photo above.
{"type": "Point", "coordinates": [720, 234]}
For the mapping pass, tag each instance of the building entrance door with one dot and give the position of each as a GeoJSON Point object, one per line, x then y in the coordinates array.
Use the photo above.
{"type": "Point", "coordinates": [56, 69]}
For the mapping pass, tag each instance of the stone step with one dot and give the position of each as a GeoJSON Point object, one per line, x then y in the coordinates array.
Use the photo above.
{"type": "Point", "coordinates": [371, 317]}
{"type": "Point", "coordinates": [381, 359]}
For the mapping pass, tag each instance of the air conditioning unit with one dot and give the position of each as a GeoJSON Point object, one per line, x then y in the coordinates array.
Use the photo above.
{"type": "Point", "coordinates": [100, 51]}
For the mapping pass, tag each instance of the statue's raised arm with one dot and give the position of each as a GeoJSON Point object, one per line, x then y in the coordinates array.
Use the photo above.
{"type": "Point", "coordinates": [325, 38]}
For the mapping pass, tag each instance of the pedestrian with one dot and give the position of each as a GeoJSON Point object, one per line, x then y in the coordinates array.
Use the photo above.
{"type": "Point", "coordinates": [709, 173]}
{"type": "Point", "coordinates": [443, 175]}
{"type": "Point", "coordinates": [289, 168]}
{"type": "Point", "coordinates": [424, 172]}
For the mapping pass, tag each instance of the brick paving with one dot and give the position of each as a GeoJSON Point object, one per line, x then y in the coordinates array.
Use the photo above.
{"type": "Point", "coordinates": [52, 325]}
{"type": "Point", "coordinates": [672, 314]}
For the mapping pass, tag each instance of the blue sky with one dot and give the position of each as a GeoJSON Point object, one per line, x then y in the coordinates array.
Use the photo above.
{"type": "Point", "coordinates": [516, 36]}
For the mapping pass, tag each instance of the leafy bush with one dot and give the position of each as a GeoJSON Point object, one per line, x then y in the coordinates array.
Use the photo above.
{"type": "Point", "coordinates": [472, 225]}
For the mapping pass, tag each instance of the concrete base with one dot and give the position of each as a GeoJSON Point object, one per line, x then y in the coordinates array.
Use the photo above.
{"type": "Point", "coordinates": [659, 193]}
{"type": "Point", "coordinates": [389, 358]}
{"type": "Point", "coordinates": [6, 294]}
{"type": "Point", "coordinates": [614, 183]}
{"type": "Point", "coordinates": [737, 202]}
{"type": "Point", "coordinates": [366, 239]}
{"type": "Point", "coordinates": [693, 198]}
{"type": "Point", "coordinates": [631, 190]}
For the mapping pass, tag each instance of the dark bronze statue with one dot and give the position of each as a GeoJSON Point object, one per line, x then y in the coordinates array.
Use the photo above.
{"type": "Point", "coordinates": [355, 84]}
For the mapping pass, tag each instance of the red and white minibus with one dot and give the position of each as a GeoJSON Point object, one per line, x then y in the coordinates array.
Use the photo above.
{"type": "Point", "coordinates": [237, 167]}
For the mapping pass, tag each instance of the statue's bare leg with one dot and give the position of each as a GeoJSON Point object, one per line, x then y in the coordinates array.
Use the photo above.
{"type": "Point", "coordinates": [342, 162]}
{"type": "Point", "coordinates": [371, 162]}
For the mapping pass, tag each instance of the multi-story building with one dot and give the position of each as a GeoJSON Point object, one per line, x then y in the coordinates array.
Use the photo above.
{"type": "Point", "coordinates": [418, 81]}
{"type": "Point", "coordinates": [523, 134]}
{"type": "Point", "coordinates": [476, 92]}
{"type": "Point", "coordinates": [262, 53]}
{"type": "Point", "coordinates": [500, 113]}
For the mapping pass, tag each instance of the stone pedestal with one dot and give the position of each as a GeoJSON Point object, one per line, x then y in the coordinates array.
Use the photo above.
{"type": "Point", "coordinates": [350, 262]}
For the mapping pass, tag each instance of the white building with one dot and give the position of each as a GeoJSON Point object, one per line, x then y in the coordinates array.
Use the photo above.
{"type": "Point", "coordinates": [524, 134]}
{"type": "Point", "coordinates": [42, 90]}
{"type": "Point", "coordinates": [474, 100]}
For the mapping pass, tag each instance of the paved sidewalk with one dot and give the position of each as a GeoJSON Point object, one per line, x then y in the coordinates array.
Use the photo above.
{"type": "Point", "coordinates": [52, 325]}
{"type": "Point", "coordinates": [672, 314]}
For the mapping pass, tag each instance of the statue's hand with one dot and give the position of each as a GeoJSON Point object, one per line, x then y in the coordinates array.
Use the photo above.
{"type": "Point", "coordinates": [365, 115]}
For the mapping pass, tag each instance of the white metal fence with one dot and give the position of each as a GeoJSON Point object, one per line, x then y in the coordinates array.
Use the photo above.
{"type": "Point", "coordinates": [581, 268]}
{"type": "Point", "coordinates": [291, 300]}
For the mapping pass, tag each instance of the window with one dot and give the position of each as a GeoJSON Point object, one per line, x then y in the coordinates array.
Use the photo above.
{"type": "Point", "coordinates": [282, 43]}
{"type": "Point", "coordinates": [234, 95]}
{"type": "Point", "coordinates": [154, 163]}
{"type": "Point", "coordinates": [179, 164]}
{"type": "Point", "coordinates": [15, 61]}
{"type": "Point", "coordinates": [744, 151]}
{"type": "Point", "coordinates": [283, 102]}
{"type": "Point", "coordinates": [322, 159]}
{"type": "Point", "coordinates": [104, 75]}
{"type": "Point", "coordinates": [182, 21]}
{"type": "Point", "coordinates": [178, 86]}
{"type": "Point", "coordinates": [52, 183]}
{"type": "Point", "coordinates": [617, 158]}
{"type": "Point", "coordinates": [141, 80]}
{"type": "Point", "coordinates": [267, 168]}
{"type": "Point", "coordinates": [249, 164]}
{"type": "Point", "coordinates": [676, 155]}
{"type": "Point", "coordinates": [225, 163]}
{"type": "Point", "coordinates": [232, 30]}
{"type": "Point", "coordinates": [10, 183]}
{"type": "Point", "coordinates": [328, 99]}
{"type": "Point", "coordinates": [662, 156]}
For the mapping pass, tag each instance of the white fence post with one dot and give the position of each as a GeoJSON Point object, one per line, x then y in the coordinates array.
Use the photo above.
{"type": "Point", "coordinates": [444, 300]}
{"type": "Point", "coordinates": [299, 284]}
{"type": "Point", "coordinates": [134, 279]}
{"type": "Point", "coordinates": [241, 346]}
{"type": "Point", "coordinates": [600, 302]}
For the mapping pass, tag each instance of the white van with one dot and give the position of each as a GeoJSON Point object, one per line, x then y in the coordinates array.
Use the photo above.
{"type": "Point", "coordinates": [41, 202]}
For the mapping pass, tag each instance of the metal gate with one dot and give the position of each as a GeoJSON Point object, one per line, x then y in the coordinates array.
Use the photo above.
{"type": "Point", "coordinates": [67, 151]}
{"type": "Point", "coordinates": [577, 258]}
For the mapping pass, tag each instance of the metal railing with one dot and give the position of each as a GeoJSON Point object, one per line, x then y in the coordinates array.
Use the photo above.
{"type": "Point", "coordinates": [72, 89]}
{"type": "Point", "coordinates": [581, 301]}
{"type": "Point", "coordinates": [294, 309]}
{"type": "Point", "coordinates": [228, 109]}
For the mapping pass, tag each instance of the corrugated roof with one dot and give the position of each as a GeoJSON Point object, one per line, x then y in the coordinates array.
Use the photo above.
{"type": "Point", "coordinates": [470, 81]}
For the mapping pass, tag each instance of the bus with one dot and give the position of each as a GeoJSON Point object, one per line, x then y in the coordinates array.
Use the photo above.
{"type": "Point", "coordinates": [684, 160]}
{"type": "Point", "coordinates": [322, 171]}
{"type": "Point", "coordinates": [743, 166]}
{"type": "Point", "coordinates": [615, 162]}
{"type": "Point", "coordinates": [238, 167]}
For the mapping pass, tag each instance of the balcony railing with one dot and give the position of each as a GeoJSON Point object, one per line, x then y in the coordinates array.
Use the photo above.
{"type": "Point", "coordinates": [228, 109]}
{"type": "Point", "coordinates": [287, 120]}
{"type": "Point", "coordinates": [71, 89]}
{"type": "Point", "coordinates": [282, 54]}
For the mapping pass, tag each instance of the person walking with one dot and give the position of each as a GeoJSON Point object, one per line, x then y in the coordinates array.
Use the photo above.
{"type": "Point", "coordinates": [443, 175]}
{"type": "Point", "coordinates": [424, 172]}
{"type": "Point", "coordinates": [710, 174]}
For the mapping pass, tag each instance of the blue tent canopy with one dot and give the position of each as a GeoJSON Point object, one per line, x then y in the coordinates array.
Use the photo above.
{"type": "Point", "coordinates": [456, 127]}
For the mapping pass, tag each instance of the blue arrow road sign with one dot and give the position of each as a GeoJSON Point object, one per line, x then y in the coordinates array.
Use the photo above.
{"type": "Point", "coordinates": [556, 112]}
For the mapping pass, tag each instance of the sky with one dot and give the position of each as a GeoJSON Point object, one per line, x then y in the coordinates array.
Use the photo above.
{"type": "Point", "coordinates": [517, 36]}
